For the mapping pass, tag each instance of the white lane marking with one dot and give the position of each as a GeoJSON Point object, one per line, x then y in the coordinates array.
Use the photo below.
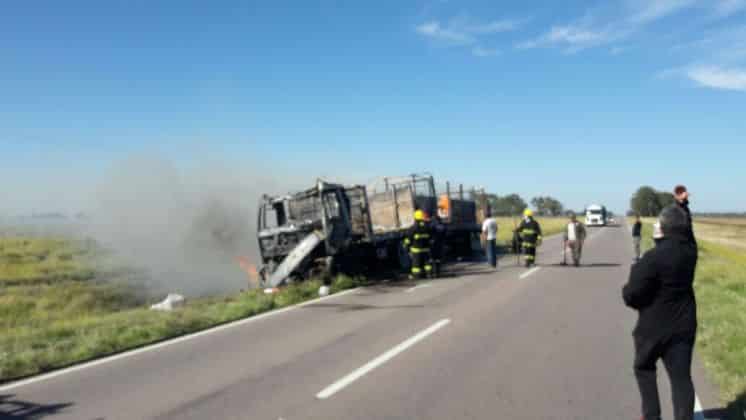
{"type": "Point", "coordinates": [238, 323]}
{"type": "Point", "coordinates": [698, 411]}
{"type": "Point", "coordinates": [419, 286]}
{"type": "Point", "coordinates": [378, 361]}
{"type": "Point", "coordinates": [529, 272]}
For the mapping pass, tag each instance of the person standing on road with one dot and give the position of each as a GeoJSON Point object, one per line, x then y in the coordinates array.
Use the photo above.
{"type": "Point", "coordinates": [574, 238]}
{"type": "Point", "coordinates": [660, 288]}
{"type": "Point", "coordinates": [530, 233]}
{"type": "Point", "coordinates": [681, 195]}
{"type": "Point", "coordinates": [489, 235]}
{"type": "Point", "coordinates": [637, 238]}
{"type": "Point", "coordinates": [419, 239]}
{"type": "Point", "coordinates": [439, 236]}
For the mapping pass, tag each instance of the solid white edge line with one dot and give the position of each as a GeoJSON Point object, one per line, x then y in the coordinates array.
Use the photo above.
{"type": "Point", "coordinates": [698, 410]}
{"type": "Point", "coordinates": [151, 347]}
{"type": "Point", "coordinates": [529, 272]}
{"type": "Point", "coordinates": [380, 360]}
{"type": "Point", "coordinates": [419, 286]}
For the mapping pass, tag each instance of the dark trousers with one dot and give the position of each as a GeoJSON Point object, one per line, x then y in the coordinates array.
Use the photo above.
{"type": "Point", "coordinates": [491, 250]}
{"type": "Point", "coordinates": [421, 265]}
{"type": "Point", "coordinates": [529, 249]}
{"type": "Point", "coordinates": [677, 358]}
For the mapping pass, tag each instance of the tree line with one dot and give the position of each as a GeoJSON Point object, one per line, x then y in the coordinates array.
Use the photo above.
{"type": "Point", "coordinates": [514, 204]}
{"type": "Point", "coordinates": [648, 202]}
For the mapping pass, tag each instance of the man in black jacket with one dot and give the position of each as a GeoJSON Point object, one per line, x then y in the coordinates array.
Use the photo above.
{"type": "Point", "coordinates": [660, 287]}
{"type": "Point", "coordinates": [681, 195]}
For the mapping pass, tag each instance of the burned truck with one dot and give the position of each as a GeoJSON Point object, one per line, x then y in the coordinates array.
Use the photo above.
{"type": "Point", "coordinates": [309, 232]}
{"type": "Point", "coordinates": [333, 227]}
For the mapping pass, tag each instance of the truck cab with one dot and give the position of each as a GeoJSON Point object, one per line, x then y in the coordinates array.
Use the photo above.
{"type": "Point", "coordinates": [296, 232]}
{"type": "Point", "coordinates": [595, 215]}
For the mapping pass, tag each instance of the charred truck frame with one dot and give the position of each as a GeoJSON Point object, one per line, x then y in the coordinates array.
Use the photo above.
{"type": "Point", "coordinates": [334, 227]}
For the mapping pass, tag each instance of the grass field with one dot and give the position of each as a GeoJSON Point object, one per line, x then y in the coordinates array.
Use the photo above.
{"type": "Point", "coordinates": [549, 226]}
{"type": "Point", "coordinates": [720, 286]}
{"type": "Point", "coordinates": [54, 311]}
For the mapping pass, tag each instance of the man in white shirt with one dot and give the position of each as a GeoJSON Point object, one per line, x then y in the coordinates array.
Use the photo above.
{"type": "Point", "coordinates": [574, 238]}
{"type": "Point", "coordinates": [489, 235]}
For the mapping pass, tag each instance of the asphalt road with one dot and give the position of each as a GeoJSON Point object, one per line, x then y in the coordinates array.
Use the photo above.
{"type": "Point", "coordinates": [549, 343]}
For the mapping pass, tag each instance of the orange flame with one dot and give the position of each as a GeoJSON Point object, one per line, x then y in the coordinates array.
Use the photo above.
{"type": "Point", "coordinates": [250, 270]}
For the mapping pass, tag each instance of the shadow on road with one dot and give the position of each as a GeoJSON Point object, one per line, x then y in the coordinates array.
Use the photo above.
{"type": "Point", "coordinates": [349, 307]}
{"type": "Point", "coordinates": [592, 265]}
{"type": "Point", "coordinates": [11, 408]}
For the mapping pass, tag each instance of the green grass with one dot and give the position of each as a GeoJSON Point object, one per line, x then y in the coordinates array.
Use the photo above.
{"type": "Point", "coordinates": [53, 311]}
{"type": "Point", "coordinates": [549, 226]}
{"type": "Point", "coordinates": [720, 287]}
{"type": "Point", "coordinates": [721, 302]}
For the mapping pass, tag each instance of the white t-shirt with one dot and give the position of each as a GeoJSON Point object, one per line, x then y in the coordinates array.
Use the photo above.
{"type": "Point", "coordinates": [571, 234]}
{"type": "Point", "coordinates": [490, 228]}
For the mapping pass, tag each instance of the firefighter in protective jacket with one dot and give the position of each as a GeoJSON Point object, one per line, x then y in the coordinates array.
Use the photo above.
{"type": "Point", "coordinates": [419, 239]}
{"type": "Point", "coordinates": [530, 233]}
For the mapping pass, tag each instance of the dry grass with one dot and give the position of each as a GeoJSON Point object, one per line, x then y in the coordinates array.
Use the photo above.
{"type": "Point", "coordinates": [549, 226]}
{"type": "Point", "coordinates": [729, 232]}
{"type": "Point", "coordinates": [53, 311]}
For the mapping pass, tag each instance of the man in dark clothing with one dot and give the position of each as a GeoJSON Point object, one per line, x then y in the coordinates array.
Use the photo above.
{"type": "Point", "coordinates": [681, 195]}
{"type": "Point", "coordinates": [419, 239]}
{"type": "Point", "coordinates": [439, 237]}
{"type": "Point", "coordinates": [637, 238]}
{"type": "Point", "coordinates": [660, 287]}
{"type": "Point", "coordinates": [530, 233]}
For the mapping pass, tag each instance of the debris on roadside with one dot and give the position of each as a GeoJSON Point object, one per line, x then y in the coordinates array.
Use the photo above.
{"type": "Point", "coordinates": [324, 291]}
{"type": "Point", "coordinates": [271, 290]}
{"type": "Point", "coordinates": [171, 301]}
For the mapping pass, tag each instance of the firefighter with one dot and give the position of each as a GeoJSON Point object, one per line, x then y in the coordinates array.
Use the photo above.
{"type": "Point", "coordinates": [419, 240]}
{"type": "Point", "coordinates": [530, 233]}
{"type": "Point", "coordinates": [439, 236]}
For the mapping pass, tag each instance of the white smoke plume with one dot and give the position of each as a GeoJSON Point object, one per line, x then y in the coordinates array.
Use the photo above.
{"type": "Point", "coordinates": [184, 228]}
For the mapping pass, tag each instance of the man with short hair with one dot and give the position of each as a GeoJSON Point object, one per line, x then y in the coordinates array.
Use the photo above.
{"type": "Point", "coordinates": [489, 234]}
{"type": "Point", "coordinates": [660, 288]}
{"type": "Point", "coordinates": [681, 195]}
{"type": "Point", "coordinates": [574, 237]}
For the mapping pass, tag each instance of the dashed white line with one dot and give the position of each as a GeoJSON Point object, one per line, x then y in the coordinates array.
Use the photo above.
{"type": "Point", "coordinates": [380, 360]}
{"type": "Point", "coordinates": [419, 286]}
{"type": "Point", "coordinates": [529, 272]}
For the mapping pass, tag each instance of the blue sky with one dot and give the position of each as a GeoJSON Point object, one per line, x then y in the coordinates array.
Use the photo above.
{"type": "Point", "coordinates": [583, 100]}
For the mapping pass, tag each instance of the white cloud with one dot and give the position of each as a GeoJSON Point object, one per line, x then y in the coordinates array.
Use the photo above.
{"type": "Point", "coordinates": [435, 31]}
{"type": "Point", "coordinates": [484, 52]}
{"type": "Point", "coordinates": [646, 11]}
{"type": "Point", "coordinates": [497, 26]}
{"type": "Point", "coordinates": [462, 31]}
{"type": "Point", "coordinates": [725, 8]}
{"type": "Point", "coordinates": [719, 78]}
{"type": "Point", "coordinates": [571, 37]}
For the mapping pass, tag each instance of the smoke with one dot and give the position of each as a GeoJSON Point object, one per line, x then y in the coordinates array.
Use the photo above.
{"type": "Point", "coordinates": [185, 229]}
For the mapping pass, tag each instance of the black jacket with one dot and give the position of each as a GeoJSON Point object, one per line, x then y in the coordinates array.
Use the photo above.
{"type": "Point", "coordinates": [637, 229]}
{"type": "Point", "coordinates": [660, 287]}
{"type": "Point", "coordinates": [419, 237]}
{"type": "Point", "coordinates": [690, 230]}
{"type": "Point", "coordinates": [530, 230]}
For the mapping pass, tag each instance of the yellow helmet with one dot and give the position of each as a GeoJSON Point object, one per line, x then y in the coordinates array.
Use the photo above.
{"type": "Point", "coordinates": [528, 213]}
{"type": "Point", "coordinates": [419, 215]}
